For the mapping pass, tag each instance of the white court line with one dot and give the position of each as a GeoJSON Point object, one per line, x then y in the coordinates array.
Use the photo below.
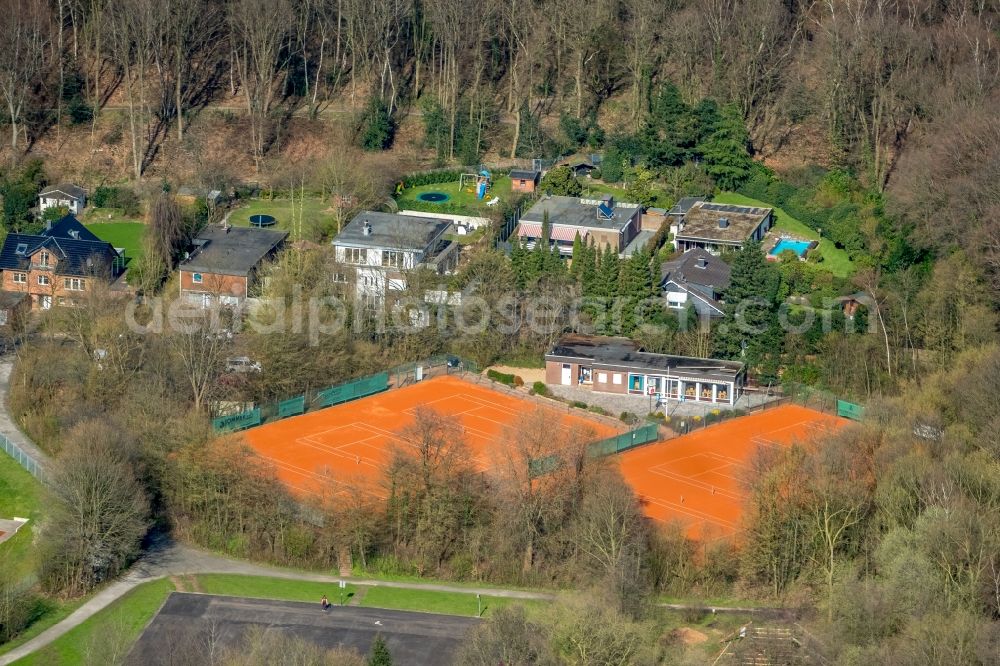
{"type": "Point", "coordinates": [700, 485]}
{"type": "Point", "coordinates": [692, 513]}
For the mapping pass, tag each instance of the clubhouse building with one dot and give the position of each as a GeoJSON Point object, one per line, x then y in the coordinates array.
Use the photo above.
{"type": "Point", "coordinates": [618, 365]}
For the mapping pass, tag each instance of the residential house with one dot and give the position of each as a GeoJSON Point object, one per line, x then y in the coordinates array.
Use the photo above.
{"type": "Point", "coordinates": [618, 365]}
{"type": "Point", "coordinates": [67, 195]}
{"type": "Point", "coordinates": [524, 180]}
{"type": "Point", "coordinates": [224, 265]}
{"type": "Point", "coordinates": [59, 264]}
{"type": "Point", "coordinates": [697, 279]}
{"type": "Point", "coordinates": [681, 209]}
{"type": "Point", "coordinates": [603, 222]}
{"type": "Point", "coordinates": [718, 227]}
{"type": "Point", "coordinates": [381, 248]}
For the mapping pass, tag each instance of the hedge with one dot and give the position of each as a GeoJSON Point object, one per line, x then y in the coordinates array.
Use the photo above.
{"type": "Point", "coordinates": [501, 377]}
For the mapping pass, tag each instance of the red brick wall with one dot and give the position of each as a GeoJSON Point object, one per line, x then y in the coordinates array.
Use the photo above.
{"type": "Point", "coordinates": [231, 285]}
{"type": "Point", "coordinates": [516, 185]}
{"type": "Point", "coordinates": [55, 288]}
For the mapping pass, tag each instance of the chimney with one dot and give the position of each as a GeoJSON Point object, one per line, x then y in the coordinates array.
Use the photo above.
{"type": "Point", "coordinates": [367, 229]}
{"type": "Point", "coordinates": [723, 222]}
{"type": "Point", "coordinates": [48, 225]}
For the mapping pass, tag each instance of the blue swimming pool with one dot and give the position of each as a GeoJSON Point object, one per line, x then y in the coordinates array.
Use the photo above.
{"type": "Point", "coordinates": [796, 246]}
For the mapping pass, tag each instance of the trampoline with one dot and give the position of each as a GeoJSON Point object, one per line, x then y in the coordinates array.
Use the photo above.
{"type": "Point", "coordinates": [433, 197]}
{"type": "Point", "coordinates": [262, 221]}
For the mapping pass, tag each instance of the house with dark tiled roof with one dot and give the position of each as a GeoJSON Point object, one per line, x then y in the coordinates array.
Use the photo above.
{"type": "Point", "coordinates": [58, 265]}
{"type": "Point", "coordinates": [697, 279]}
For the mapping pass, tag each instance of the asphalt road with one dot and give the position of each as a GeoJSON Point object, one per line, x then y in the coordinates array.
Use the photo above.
{"type": "Point", "coordinates": [191, 626]}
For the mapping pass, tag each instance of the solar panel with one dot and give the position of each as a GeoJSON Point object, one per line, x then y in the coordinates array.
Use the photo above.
{"type": "Point", "coordinates": [606, 211]}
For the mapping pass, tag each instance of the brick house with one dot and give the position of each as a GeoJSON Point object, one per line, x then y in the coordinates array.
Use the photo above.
{"type": "Point", "coordinates": [618, 365]}
{"type": "Point", "coordinates": [524, 180]}
{"type": "Point", "coordinates": [58, 265]}
{"type": "Point", "coordinates": [225, 262]}
{"type": "Point", "coordinates": [601, 221]}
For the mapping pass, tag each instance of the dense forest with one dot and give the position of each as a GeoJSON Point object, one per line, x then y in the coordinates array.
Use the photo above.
{"type": "Point", "coordinates": [872, 122]}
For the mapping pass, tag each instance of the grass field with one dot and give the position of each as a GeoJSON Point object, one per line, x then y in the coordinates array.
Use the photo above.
{"type": "Point", "coordinates": [20, 495]}
{"type": "Point", "coordinates": [835, 259]}
{"type": "Point", "coordinates": [111, 631]}
{"type": "Point", "coordinates": [461, 197]}
{"type": "Point", "coordinates": [314, 212]}
{"type": "Point", "coordinates": [429, 601]}
{"type": "Point", "coordinates": [128, 235]}
{"type": "Point", "coordinates": [108, 215]}
{"type": "Point", "coordinates": [271, 588]}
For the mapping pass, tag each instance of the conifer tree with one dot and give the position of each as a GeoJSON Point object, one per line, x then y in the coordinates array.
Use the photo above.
{"type": "Point", "coordinates": [750, 309]}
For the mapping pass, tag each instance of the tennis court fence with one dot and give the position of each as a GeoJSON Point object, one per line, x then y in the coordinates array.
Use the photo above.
{"type": "Point", "coordinates": [650, 432]}
{"type": "Point", "coordinates": [329, 396]}
{"type": "Point", "coordinates": [22, 458]}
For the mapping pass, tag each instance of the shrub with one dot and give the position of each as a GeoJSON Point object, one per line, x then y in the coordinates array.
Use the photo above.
{"type": "Point", "coordinates": [540, 388]}
{"type": "Point", "coordinates": [597, 409]}
{"type": "Point", "coordinates": [518, 382]}
{"type": "Point", "coordinates": [595, 173]}
{"type": "Point", "coordinates": [628, 418]}
{"type": "Point", "coordinates": [116, 197]}
{"type": "Point", "coordinates": [501, 377]}
{"type": "Point", "coordinates": [578, 404]}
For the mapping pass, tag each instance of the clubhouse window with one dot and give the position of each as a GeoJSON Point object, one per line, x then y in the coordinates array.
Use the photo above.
{"type": "Point", "coordinates": [20, 278]}
{"type": "Point", "coordinates": [616, 378]}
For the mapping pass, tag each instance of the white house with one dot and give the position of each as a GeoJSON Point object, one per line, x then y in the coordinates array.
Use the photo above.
{"type": "Point", "coordinates": [382, 248]}
{"type": "Point", "coordinates": [68, 195]}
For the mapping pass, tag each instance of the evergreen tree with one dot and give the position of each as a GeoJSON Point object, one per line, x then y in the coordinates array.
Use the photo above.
{"type": "Point", "coordinates": [635, 286]}
{"type": "Point", "coordinates": [588, 270]}
{"type": "Point", "coordinates": [380, 655]}
{"type": "Point", "coordinates": [519, 257]}
{"type": "Point", "coordinates": [377, 127]}
{"type": "Point", "coordinates": [726, 151]}
{"type": "Point", "coordinates": [578, 252]}
{"type": "Point", "coordinates": [750, 329]}
{"type": "Point", "coordinates": [610, 270]}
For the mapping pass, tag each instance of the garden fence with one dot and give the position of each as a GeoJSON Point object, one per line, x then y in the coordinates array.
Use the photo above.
{"type": "Point", "coordinates": [23, 459]}
{"type": "Point", "coordinates": [340, 393]}
{"type": "Point", "coordinates": [650, 432]}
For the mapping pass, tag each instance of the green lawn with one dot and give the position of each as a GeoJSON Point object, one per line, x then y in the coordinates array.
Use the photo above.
{"type": "Point", "coordinates": [111, 631]}
{"type": "Point", "coordinates": [835, 259]}
{"type": "Point", "coordinates": [91, 215]}
{"type": "Point", "coordinates": [313, 211]}
{"type": "Point", "coordinates": [128, 235]}
{"type": "Point", "coordinates": [20, 495]}
{"type": "Point", "coordinates": [271, 588]}
{"type": "Point", "coordinates": [461, 198]}
{"type": "Point", "coordinates": [428, 601]}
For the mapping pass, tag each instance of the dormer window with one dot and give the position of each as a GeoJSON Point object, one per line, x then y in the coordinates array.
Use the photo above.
{"type": "Point", "coordinates": [196, 278]}
{"type": "Point", "coordinates": [43, 259]}
{"type": "Point", "coordinates": [21, 249]}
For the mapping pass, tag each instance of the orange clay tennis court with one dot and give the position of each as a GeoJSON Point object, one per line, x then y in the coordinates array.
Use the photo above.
{"type": "Point", "coordinates": [352, 442]}
{"type": "Point", "coordinates": [695, 480]}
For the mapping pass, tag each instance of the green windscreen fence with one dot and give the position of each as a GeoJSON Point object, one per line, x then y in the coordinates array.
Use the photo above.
{"type": "Point", "coordinates": [604, 447]}
{"type": "Point", "coordinates": [241, 421]}
{"type": "Point", "coordinates": [292, 407]}
{"type": "Point", "coordinates": [359, 388]}
{"type": "Point", "coordinates": [624, 442]}
{"type": "Point", "coordinates": [850, 410]}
